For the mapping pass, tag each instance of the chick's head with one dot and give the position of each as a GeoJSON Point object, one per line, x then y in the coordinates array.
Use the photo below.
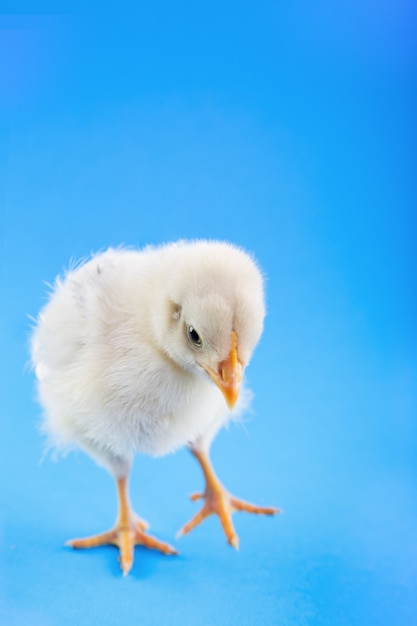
{"type": "Point", "coordinates": [214, 317]}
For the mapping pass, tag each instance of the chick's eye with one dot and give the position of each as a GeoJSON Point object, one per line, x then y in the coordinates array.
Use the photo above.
{"type": "Point", "coordinates": [194, 336]}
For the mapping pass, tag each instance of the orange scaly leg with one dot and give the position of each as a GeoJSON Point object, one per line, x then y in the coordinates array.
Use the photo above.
{"type": "Point", "coordinates": [220, 502]}
{"type": "Point", "coordinates": [128, 531]}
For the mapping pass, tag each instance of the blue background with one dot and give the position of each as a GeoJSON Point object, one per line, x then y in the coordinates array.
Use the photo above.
{"type": "Point", "coordinates": [288, 128]}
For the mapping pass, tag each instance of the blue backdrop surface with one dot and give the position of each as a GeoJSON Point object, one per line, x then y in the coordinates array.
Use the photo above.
{"type": "Point", "coordinates": [289, 130]}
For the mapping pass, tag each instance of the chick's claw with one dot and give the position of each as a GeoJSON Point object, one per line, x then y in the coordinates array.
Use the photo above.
{"type": "Point", "coordinates": [195, 521]}
{"type": "Point", "coordinates": [196, 496]}
{"type": "Point", "coordinates": [103, 539]}
{"type": "Point", "coordinates": [241, 505]}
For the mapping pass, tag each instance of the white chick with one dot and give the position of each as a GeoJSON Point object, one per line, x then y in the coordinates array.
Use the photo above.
{"type": "Point", "coordinates": [131, 353]}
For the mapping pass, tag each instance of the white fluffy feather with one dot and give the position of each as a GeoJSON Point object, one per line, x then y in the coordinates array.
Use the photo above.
{"type": "Point", "coordinates": [116, 374]}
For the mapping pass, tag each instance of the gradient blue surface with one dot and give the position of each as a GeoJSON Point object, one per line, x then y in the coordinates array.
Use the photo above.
{"type": "Point", "coordinates": [289, 130]}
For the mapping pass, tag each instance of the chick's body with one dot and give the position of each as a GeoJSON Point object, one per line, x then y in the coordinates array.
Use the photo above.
{"type": "Point", "coordinates": [105, 380]}
{"type": "Point", "coordinates": [129, 344]}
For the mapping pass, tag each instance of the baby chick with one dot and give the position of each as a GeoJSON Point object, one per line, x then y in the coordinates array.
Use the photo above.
{"type": "Point", "coordinates": [144, 351]}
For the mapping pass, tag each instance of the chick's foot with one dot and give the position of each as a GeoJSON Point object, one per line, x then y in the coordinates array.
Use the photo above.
{"type": "Point", "coordinates": [128, 532]}
{"type": "Point", "coordinates": [125, 538]}
{"type": "Point", "coordinates": [218, 501]}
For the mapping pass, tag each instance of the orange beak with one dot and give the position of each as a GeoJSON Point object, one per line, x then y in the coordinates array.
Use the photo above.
{"type": "Point", "coordinates": [229, 375]}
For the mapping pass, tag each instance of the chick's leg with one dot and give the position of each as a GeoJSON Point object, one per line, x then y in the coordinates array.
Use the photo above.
{"type": "Point", "coordinates": [219, 501]}
{"type": "Point", "coordinates": [128, 531]}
